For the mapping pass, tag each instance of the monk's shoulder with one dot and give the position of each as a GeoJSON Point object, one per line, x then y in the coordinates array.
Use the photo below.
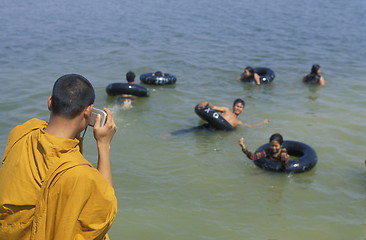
{"type": "Point", "coordinates": [83, 177]}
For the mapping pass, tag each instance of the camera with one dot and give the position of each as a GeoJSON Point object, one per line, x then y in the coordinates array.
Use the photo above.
{"type": "Point", "coordinates": [94, 114]}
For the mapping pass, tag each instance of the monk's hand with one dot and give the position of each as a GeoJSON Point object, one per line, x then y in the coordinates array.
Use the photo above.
{"type": "Point", "coordinates": [104, 134]}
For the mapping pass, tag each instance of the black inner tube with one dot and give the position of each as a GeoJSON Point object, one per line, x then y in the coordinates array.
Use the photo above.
{"type": "Point", "coordinates": [266, 75]}
{"type": "Point", "coordinates": [119, 88]}
{"type": "Point", "coordinates": [148, 78]}
{"type": "Point", "coordinates": [213, 118]}
{"type": "Point", "coordinates": [305, 160]}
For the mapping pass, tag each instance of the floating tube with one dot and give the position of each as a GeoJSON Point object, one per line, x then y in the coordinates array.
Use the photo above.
{"type": "Point", "coordinates": [213, 118]}
{"type": "Point", "coordinates": [148, 78]}
{"type": "Point", "coordinates": [119, 88]}
{"type": "Point", "coordinates": [266, 75]}
{"type": "Point", "coordinates": [306, 158]}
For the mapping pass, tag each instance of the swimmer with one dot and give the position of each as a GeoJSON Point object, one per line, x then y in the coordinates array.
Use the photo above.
{"type": "Point", "coordinates": [127, 98]}
{"type": "Point", "coordinates": [249, 73]}
{"type": "Point", "coordinates": [231, 116]}
{"type": "Point", "coordinates": [314, 76]}
{"type": "Point", "coordinates": [276, 152]}
{"type": "Point", "coordinates": [158, 74]}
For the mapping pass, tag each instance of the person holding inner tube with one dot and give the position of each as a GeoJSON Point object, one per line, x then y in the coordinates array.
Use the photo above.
{"type": "Point", "coordinates": [158, 74]}
{"type": "Point", "coordinates": [231, 116]}
{"type": "Point", "coordinates": [276, 152]}
{"type": "Point", "coordinates": [314, 76]}
{"type": "Point", "coordinates": [249, 73]}
{"type": "Point", "coordinates": [127, 98]}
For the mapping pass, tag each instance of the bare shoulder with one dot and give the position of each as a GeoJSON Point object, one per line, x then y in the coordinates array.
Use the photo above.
{"type": "Point", "coordinates": [237, 122]}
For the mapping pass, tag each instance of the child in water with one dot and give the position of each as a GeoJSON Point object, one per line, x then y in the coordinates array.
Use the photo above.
{"type": "Point", "coordinates": [276, 152]}
{"type": "Point", "coordinates": [249, 73]}
{"type": "Point", "coordinates": [127, 98]}
{"type": "Point", "coordinates": [314, 76]}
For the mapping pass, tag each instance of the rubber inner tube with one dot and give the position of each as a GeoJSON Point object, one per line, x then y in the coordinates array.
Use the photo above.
{"type": "Point", "coordinates": [213, 118]}
{"type": "Point", "coordinates": [266, 75]}
{"type": "Point", "coordinates": [148, 78]}
{"type": "Point", "coordinates": [119, 88]}
{"type": "Point", "coordinates": [306, 158]}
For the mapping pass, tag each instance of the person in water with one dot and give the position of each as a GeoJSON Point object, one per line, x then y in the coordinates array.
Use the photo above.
{"type": "Point", "coordinates": [275, 152]}
{"type": "Point", "coordinates": [314, 76]}
{"type": "Point", "coordinates": [230, 115]}
{"type": "Point", "coordinates": [158, 74]}
{"type": "Point", "coordinates": [127, 98]}
{"type": "Point", "coordinates": [249, 73]}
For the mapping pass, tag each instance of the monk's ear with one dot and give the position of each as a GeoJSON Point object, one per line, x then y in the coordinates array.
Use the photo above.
{"type": "Point", "coordinates": [49, 103]}
{"type": "Point", "coordinates": [88, 110]}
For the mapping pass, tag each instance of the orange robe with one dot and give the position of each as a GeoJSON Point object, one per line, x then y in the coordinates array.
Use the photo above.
{"type": "Point", "coordinates": [48, 190]}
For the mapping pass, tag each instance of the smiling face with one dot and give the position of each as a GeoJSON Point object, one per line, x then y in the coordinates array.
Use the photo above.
{"type": "Point", "coordinates": [275, 146]}
{"type": "Point", "coordinates": [238, 108]}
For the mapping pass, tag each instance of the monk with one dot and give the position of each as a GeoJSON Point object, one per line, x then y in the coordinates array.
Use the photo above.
{"type": "Point", "coordinates": [48, 189]}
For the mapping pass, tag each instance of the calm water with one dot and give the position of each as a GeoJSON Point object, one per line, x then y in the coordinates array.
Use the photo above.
{"type": "Point", "coordinates": [199, 185]}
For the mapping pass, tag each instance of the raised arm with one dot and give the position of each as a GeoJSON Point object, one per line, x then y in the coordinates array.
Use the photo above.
{"type": "Point", "coordinates": [250, 155]}
{"type": "Point", "coordinates": [203, 104]}
{"type": "Point", "coordinates": [216, 108]}
{"type": "Point", "coordinates": [103, 136]}
{"type": "Point", "coordinates": [241, 144]}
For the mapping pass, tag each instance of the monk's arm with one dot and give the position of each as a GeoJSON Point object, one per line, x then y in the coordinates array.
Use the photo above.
{"type": "Point", "coordinates": [103, 136]}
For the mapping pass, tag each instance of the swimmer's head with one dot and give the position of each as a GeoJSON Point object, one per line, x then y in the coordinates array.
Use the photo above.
{"type": "Point", "coordinates": [315, 69]}
{"type": "Point", "coordinates": [248, 71]}
{"type": "Point", "coordinates": [276, 137]}
{"type": "Point", "coordinates": [239, 100]}
{"type": "Point", "coordinates": [130, 76]}
{"type": "Point", "coordinates": [158, 74]}
{"type": "Point", "coordinates": [275, 142]}
{"type": "Point", "coordinates": [238, 106]}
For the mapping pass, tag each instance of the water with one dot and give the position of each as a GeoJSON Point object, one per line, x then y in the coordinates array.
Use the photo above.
{"type": "Point", "coordinates": [199, 185]}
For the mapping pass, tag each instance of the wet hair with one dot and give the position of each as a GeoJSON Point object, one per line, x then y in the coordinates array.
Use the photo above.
{"type": "Point", "coordinates": [250, 69]}
{"type": "Point", "coordinates": [315, 68]}
{"type": "Point", "coordinates": [130, 76]}
{"type": "Point", "coordinates": [276, 137]}
{"type": "Point", "coordinates": [238, 100]}
{"type": "Point", "coordinates": [158, 74]}
{"type": "Point", "coordinates": [71, 94]}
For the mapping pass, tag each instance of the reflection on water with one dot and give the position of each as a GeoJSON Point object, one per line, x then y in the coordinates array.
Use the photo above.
{"type": "Point", "coordinates": [314, 92]}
